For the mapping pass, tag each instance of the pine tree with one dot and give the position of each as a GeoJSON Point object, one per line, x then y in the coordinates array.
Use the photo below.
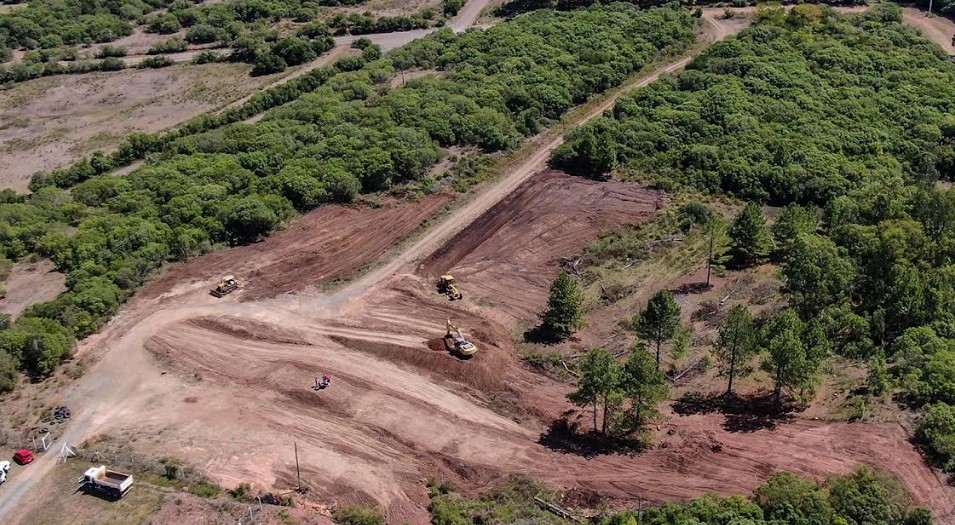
{"type": "Point", "coordinates": [717, 244]}
{"type": "Point", "coordinates": [793, 221]}
{"type": "Point", "coordinates": [659, 321]}
{"type": "Point", "coordinates": [794, 351]}
{"type": "Point", "coordinates": [749, 239]}
{"type": "Point", "coordinates": [736, 344]}
{"type": "Point", "coordinates": [644, 387]}
{"type": "Point", "coordinates": [598, 386]}
{"type": "Point", "coordinates": [564, 314]}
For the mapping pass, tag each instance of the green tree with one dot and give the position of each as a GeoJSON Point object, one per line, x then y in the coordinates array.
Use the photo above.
{"type": "Point", "coordinates": [644, 386]}
{"type": "Point", "coordinates": [659, 321]}
{"type": "Point", "coordinates": [8, 371]}
{"type": "Point", "coordinates": [356, 515]}
{"type": "Point", "coordinates": [294, 51]}
{"type": "Point", "coordinates": [598, 385]}
{"type": "Point", "coordinates": [937, 432]}
{"type": "Point", "coordinates": [717, 245]}
{"type": "Point", "coordinates": [817, 274]}
{"type": "Point", "coordinates": [38, 344]}
{"type": "Point", "coordinates": [794, 351]}
{"type": "Point", "coordinates": [736, 344]}
{"type": "Point", "coordinates": [792, 499]}
{"type": "Point", "coordinates": [248, 218]}
{"type": "Point", "coordinates": [878, 381]}
{"type": "Point", "coordinates": [749, 238]}
{"type": "Point", "coordinates": [564, 313]}
{"type": "Point", "coordinates": [793, 221]}
{"type": "Point", "coordinates": [268, 63]}
{"type": "Point", "coordinates": [868, 497]}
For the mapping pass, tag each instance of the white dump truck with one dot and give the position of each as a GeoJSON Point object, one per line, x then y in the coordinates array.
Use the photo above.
{"type": "Point", "coordinates": [105, 482]}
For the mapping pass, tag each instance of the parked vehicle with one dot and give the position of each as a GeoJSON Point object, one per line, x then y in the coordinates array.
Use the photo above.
{"type": "Point", "coordinates": [108, 483]}
{"type": "Point", "coordinates": [4, 469]}
{"type": "Point", "coordinates": [23, 457]}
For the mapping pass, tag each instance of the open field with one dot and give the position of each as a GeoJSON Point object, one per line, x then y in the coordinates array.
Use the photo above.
{"type": "Point", "coordinates": [50, 122]}
{"type": "Point", "coordinates": [31, 283]}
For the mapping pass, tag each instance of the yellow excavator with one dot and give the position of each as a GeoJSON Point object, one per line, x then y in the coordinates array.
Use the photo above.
{"type": "Point", "coordinates": [456, 343]}
{"type": "Point", "coordinates": [447, 287]}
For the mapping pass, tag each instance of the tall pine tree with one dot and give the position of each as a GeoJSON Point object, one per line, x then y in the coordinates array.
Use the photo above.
{"type": "Point", "coordinates": [659, 321]}
{"type": "Point", "coordinates": [749, 239]}
{"type": "Point", "coordinates": [564, 313]}
{"type": "Point", "coordinates": [736, 344]}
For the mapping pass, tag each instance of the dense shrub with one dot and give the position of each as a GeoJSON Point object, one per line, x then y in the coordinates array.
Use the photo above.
{"type": "Point", "coordinates": [782, 115]}
{"type": "Point", "coordinates": [111, 51]}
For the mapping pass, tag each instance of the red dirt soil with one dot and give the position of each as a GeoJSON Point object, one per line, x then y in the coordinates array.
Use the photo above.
{"type": "Point", "coordinates": [510, 255]}
{"type": "Point", "coordinates": [399, 409]}
{"type": "Point", "coordinates": [332, 242]}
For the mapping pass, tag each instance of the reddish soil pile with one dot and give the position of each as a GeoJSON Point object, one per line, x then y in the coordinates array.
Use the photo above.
{"type": "Point", "coordinates": [509, 256]}
{"type": "Point", "coordinates": [332, 242]}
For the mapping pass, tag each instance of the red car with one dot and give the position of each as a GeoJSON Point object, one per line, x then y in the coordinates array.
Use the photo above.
{"type": "Point", "coordinates": [23, 457]}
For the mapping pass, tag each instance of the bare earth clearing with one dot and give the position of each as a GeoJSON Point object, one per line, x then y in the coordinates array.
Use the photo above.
{"type": "Point", "coordinates": [237, 393]}
{"type": "Point", "coordinates": [50, 122]}
{"type": "Point", "coordinates": [508, 257]}
{"type": "Point", "coordinates": [31, 283]}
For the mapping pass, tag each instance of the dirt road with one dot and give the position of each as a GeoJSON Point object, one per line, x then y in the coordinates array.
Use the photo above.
{"type": "Point", "coordinates": [938, 29]}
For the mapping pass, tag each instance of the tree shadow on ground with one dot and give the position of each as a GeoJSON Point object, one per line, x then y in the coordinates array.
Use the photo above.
{"type": "Point", "coordinates": [566, 437]}
{"type": "Point", "coordinates": [747, 413]}
{"type": "Point", "coordinates": [691, 288]}
{"type": "Point", "coordinates": [539, 336]}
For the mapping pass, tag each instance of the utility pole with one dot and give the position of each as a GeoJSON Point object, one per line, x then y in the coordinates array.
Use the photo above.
{"type": "Point", "coordinates": [298, 473]}
{"type": "Point", "coordinates": [929, 8]}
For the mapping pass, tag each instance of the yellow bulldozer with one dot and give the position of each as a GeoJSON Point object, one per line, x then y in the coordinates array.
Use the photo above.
{"type": "Point", "coordinates": [457, 344]}
{"type": "Point", "coordinates": [447, 287]}
{"type": "Point", "coordinates": [227, 285]}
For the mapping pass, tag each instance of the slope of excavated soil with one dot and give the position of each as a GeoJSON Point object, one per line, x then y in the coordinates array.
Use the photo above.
{"type": "Point", "coordinates": [332, 242]}
{"type": "Point", "coordinates": [509, 256]}
{"type": "Point", "coordinates": [398, 411]}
